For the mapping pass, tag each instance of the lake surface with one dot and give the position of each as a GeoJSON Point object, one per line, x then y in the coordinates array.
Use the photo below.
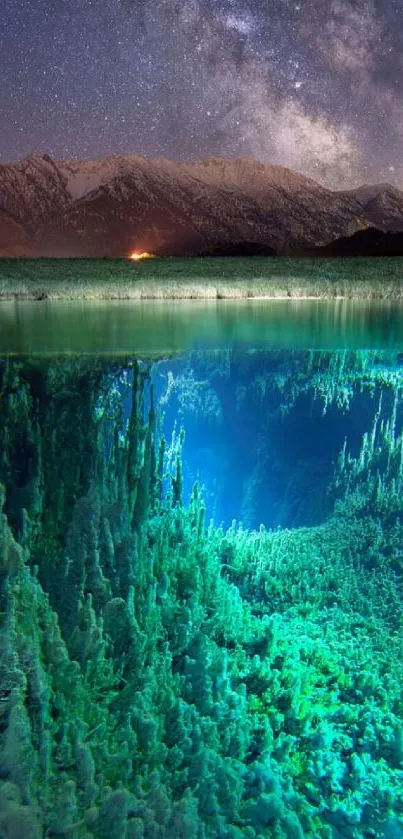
{"type": "Point", "coordinates": [201, 570]}
{"type": "Point", "coordinates": [153, 327]}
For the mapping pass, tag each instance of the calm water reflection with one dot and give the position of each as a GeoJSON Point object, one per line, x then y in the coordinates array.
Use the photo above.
{"type": "Point", "coordinates": [171, 326]}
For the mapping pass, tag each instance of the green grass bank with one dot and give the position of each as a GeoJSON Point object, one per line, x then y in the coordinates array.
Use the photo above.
{"type": "Point", "coordinates": [208, 278]}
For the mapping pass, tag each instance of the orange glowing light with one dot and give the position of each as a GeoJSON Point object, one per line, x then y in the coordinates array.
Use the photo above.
{"type": "Point", "coordinates": [136, 256]}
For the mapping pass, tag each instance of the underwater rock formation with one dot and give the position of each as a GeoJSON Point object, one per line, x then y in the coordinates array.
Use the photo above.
{"type": "Point", "coordinates": [265, 428]}
{"type": "Point", "coordinates": [161, 677]}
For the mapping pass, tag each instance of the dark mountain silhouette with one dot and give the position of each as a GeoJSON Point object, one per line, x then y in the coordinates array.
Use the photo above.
{"type": "Point", "coordinates": [370, 242]}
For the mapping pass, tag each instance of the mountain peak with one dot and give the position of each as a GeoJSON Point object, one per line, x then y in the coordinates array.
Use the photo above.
{"type": "Point", "coordinates": [367, 192]}
{"type": "Point", "coordinates": [111, 207]}
{"type": "Point", "coordinates": [37, 157]}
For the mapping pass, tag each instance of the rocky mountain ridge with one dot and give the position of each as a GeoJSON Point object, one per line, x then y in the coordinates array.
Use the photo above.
{"type": "Point", "coordinates": [369, 242]}
{"type": "Point", "coordinates": [124, 203]}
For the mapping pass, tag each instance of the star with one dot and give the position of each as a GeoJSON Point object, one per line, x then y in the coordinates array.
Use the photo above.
{"type": "Point", "coordinates": [313, 86]}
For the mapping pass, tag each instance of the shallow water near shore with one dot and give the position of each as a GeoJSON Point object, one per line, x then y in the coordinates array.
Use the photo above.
{"type": "Point", "coordinates": [201, 570]}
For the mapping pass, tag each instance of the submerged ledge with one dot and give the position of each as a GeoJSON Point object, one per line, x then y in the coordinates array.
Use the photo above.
{"type": "Point", "coordinates": [202, 279]}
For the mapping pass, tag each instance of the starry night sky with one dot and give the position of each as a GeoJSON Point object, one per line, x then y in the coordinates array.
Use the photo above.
{"type": "Point", "coordinates": [316, 85]}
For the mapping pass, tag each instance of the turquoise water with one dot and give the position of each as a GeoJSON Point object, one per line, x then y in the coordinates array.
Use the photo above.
{"type": "Point", "coordinates": [152, 327]}
{"type": "Point", "coordinates": [201, 571]}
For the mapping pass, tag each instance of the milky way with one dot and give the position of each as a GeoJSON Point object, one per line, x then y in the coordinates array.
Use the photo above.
{"type": "Point", "coordinates": [314, 85]}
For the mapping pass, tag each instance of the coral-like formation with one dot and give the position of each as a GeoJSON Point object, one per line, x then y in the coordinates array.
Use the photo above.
{"type": "Point", "coordinates": [162, 677]}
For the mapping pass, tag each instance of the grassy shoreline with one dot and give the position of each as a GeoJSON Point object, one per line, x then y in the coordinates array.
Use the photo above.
{"type": "Point", "coordinates": [201, 279]}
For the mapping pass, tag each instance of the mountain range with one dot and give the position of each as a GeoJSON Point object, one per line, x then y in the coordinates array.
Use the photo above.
{"type": "Point", "coordinates": [112, 207]}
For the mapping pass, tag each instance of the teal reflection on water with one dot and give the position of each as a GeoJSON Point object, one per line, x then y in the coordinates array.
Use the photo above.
{"type": "Point", "coordinates": [153, 327]}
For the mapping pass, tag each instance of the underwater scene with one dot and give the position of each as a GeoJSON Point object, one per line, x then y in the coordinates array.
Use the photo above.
{"type": "Point", "coordinates": [201, 594]}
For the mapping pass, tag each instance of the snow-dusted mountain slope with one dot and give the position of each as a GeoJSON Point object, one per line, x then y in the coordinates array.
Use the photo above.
{"type": "Point", "coordinates": [382, 204]}
{"type": "Point", "coordinates": [113, 206]}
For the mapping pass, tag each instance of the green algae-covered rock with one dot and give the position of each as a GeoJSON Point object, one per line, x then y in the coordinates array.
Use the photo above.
{"type": "Point", "coordinates": [163, 678]}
